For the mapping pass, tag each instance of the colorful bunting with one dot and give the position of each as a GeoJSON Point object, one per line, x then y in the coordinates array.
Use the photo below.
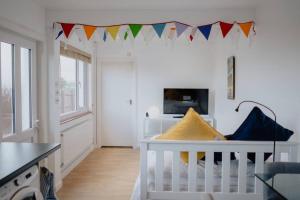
{"type": "Point", "coordinates": [205, 30]}
{"type": "Point", "coordinates": [59, 34]}
{"type": "Point", "coordinates": [67, 28]}
{"type": "Point", "coordinates": [89, 31]}
{"type": "Point", "coordinates": [180, 28]}
{"type": "Point", "coordinates": [113, 31]}
{"type": "Point", "coordinates": [100, 33]}
{"type": "Point", "coordinates": [135, 29]}
{"type": "Point", "coordinates": [225, 28]}
{"type": "Point", "coordinates": [104, 36]}
{"type": "Point", "coordinates": [171, 33]}
{"type": "Point", "coordinates": [159, 28]}
{"type": "Point", "coordinates": [123, 30]}
{"type": "Point", "coordinates": [148, 33]}
{"type": "Point", "coordinates": [126, 35]}
{"type": "Point", "coordinates": [169, 29]}
{"type": "Point", "coordinates": [193, 33]}
{"type": "Point", "coordinates": [80, 33]}
{"type": "Point", "coordinates": [246, 27]}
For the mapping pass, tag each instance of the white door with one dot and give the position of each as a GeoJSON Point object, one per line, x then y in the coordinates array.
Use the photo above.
{"type": "Point", "coordinates": [117, 103]}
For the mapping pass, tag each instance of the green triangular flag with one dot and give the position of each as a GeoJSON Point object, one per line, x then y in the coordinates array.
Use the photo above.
{"type": "Point", "coordinates": [135, 29]}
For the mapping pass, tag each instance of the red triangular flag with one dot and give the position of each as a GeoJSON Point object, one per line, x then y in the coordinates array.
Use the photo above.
{"type": "Point", "coordinates": [225, 28]}
{"type": "Point", "coordinates": [67, 28]}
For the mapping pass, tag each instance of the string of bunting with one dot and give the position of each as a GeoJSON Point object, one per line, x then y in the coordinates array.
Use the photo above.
{"type": "Point", "coordinates": [174, 29]}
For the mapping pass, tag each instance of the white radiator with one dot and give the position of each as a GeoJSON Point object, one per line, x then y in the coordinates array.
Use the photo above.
{"type": "Point", "coordinates": [77, 142]}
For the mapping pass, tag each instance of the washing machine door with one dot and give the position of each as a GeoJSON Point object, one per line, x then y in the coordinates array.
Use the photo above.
{"type": "Point", "coordinates": [28, 193]}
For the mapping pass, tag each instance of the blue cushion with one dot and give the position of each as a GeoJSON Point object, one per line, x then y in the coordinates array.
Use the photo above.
{"type": "Point", "coordinates": [259, 127]}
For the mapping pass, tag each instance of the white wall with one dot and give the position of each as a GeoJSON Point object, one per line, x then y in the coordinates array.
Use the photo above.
{"type": "Point", "coordinates": [86, 138]}
{"type": "Point", "coordinates": [24, 14]}
{"type": "Point", "coordinates": [267, 68]}
{"type": "Point", "coordinates": [159, 64]}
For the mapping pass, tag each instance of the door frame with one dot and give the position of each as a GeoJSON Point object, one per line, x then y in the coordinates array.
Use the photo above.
{"type": "Point", "coordinates": [99, 70]}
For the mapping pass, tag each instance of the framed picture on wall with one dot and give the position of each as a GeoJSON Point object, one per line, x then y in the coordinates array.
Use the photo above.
{"type": "Point", "coordinates": [231, 77]}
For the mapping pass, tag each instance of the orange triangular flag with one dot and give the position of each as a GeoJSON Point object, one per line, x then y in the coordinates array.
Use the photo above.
{"type": "Point", "coordinates": [246, 27]}
{"type": "Point", "coordinates": [113, 31]}
{"type": "Point", "coordinates": [89, 31]}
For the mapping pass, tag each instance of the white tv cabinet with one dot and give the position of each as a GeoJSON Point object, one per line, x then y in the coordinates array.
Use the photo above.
{"type": "Point", "coordinates": [158, 125]}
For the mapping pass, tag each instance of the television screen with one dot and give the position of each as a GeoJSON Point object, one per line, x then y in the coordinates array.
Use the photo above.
{"type": "Point", "coordinates": [178, 101]}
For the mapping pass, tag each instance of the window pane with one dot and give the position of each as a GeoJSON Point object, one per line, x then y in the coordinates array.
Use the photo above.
{"type": "Point", "coordinates": [68, 84]}
{"type": "Point", "coordinates": [81, 83]}
{"type": "Point", "coordinates": [26, 88]}
{"type": "Point", "coordinates": [7, 71]}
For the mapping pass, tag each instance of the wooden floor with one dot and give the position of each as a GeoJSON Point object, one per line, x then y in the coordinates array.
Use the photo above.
{"type": "Point", "coordinates": [107, 173]}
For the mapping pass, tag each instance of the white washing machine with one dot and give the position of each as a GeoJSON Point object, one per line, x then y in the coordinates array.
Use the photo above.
{"type": "Point", "coordinates": [25, 186]}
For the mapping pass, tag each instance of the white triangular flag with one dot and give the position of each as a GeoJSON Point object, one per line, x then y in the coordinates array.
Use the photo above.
{"type": "Point", "coordinates": [148, 33]}
{"type": "Point", "coordinates": [170, 31]}
{"type": "Point", "coordinates": [122, 31]}
{"type": "Point", "coordinates": [79, 32]}
{"type": "Point", "coordinates": [99, 34]}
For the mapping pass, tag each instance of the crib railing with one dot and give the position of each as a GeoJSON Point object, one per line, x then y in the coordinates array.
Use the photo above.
{"type": "Point", "coordinates": [284, 150]}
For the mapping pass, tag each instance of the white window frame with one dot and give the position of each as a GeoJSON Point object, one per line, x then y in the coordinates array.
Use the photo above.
{"type": "Point", "coordinates": [79, 110]}
{"type": "Point", "coordinates": [21, 42]}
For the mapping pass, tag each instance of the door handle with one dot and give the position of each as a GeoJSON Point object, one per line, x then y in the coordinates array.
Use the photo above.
{"type": "Point", "coordinates": [130, 102]}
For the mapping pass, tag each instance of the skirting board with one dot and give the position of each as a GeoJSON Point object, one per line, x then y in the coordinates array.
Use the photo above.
{"type": "Point", "coordinates": [58, 186]}
{"type": "Point", "coordinates": [67, 169]}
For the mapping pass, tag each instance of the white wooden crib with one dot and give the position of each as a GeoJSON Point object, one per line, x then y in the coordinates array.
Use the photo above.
{"type": "Point", "coordinates": [286, 151]}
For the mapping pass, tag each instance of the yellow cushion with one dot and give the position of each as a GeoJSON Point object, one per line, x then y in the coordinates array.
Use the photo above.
{"type": "Point", "coordinates": [191, 127]}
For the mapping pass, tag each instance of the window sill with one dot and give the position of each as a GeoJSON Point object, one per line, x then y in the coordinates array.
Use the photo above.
{"type": "Point", "coordinates": [25, 136]}
{"type": "Point", "coordinates": [72, 118]}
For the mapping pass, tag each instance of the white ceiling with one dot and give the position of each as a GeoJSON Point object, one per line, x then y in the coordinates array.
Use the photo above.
{"type": "Point", "coordinates": [144, 4]}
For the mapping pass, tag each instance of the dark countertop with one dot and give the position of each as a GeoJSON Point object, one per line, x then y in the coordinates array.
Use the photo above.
{"type": "Point", "coordinates": [15, 158]}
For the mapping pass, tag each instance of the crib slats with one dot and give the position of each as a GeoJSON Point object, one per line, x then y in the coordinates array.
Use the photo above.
{"type": "Point", "coordinates": [225, 171]}
{"type": "Point", "coordinates": [209, 170]}
{"type": "Point", "coordinates": [277, 156]}
{"type": "Point", "coordinates": [144, 166]}
{"type": "Point", "coordinates": [259, 168]}
{"type": "Point", "coordinates": [292, 155]}
{"type": "Point", "coordinates": [175, 171]}
{"type": "Point", "coordinates": [242, 172]}
{"type": "Point", "coordinates": [192, 175]}
{"type": "Point", "coordinates": [159, 167]}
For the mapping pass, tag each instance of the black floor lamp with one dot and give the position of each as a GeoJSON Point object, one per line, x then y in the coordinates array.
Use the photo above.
{"type": "Point", "coordinates": [274, 135]}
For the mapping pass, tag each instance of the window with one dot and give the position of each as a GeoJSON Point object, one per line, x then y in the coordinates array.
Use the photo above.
{"type": "Point", "coordinates": [68, 84]}
{"type": "Point", "coordinates": [73, 82]}
{"type": "Point", "coordinates": [17, 113]}
{"type": "Point", "coordinates": [7, 88]}
{"type": "Point", "coordinates": [26, 88]}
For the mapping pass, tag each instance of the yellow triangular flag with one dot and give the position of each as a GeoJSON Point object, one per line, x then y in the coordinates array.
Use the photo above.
{"type": "Point", "coordinates": [113, 31]}
{"type": "Point", "coordinates": [89, 31]}
{"type": "Point", "coordinates": [246, 27]}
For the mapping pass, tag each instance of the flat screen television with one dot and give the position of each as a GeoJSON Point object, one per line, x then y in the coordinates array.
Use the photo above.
{"type": "Point", "coordinates": [178, 101]}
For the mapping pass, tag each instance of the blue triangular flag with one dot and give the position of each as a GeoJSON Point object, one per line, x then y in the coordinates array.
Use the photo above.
{"type": "Point", "coordinates": [159, 28]}
{"type": "Point", "coordinates": [104, 36]}
{"type": "Point", "coordinates": [59, 34]}
{"type": "Point", "coordinates": [205, 30]}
